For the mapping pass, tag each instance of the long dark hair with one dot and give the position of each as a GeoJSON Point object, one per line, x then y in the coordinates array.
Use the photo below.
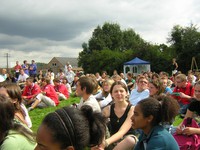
{"type": "Point", "coordinates": [162, 108]}
{"type": "Point", "coordinates": [7, 122]}
{"type": "Point", "coordinates": [14, 92]}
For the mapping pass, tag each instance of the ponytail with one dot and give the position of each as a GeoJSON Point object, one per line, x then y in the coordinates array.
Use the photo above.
{"type": "Point", "coordinates": [97, 124]}
{"type": "Point", "coordinates": [162, 108]}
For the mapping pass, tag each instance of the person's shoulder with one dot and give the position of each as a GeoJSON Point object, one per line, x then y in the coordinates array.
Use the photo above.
{"type": "Point", "coordinates": [159, 133]}
{"type": "Point", "coordinates": [15, 140]}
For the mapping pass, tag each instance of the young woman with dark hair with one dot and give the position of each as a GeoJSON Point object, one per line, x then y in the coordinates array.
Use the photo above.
{"type": "Point", "coordinates": [119, 114]}
{"type": "Point", "coordinates": [69, 128]}
{"type": "Point", "coordinates": [13, 135]}
{"type": "Point", "coordinates": [156, 88]}
{"type": "Point", "coordinates": [149, 115]}
{"type": "Point", "coordinates": [21, 114]}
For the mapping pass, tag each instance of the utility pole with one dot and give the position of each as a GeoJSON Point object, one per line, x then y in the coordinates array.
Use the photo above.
{"type": "Point", "coordinates": [7, 55]}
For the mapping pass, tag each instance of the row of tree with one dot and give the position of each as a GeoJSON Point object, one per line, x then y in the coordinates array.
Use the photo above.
{"type": "Point", "coordinates": [109, 47]}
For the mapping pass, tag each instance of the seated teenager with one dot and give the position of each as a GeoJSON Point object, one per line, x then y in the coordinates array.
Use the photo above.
{"type": "Point", "coordinates": [119, 114]}
{"type": "Point", "coordinates": [30, 91]}
{"type": "Point", "coordinates": [141, 92]}
{"type": "Point", "coordinates": [84, 88]}
{"type": "Point", "coordinates": [149, 115]}
{"type": "Point", "coordinates": [47, 97]}
{"type": "Point", "coordinates": [13, 135]}
{"type": "Point", "coordinates": [13, 91]}
{"type": "Point", "coordinates": [104, 97]}
{"type": "Point", "coordinates": [193, 110]}
{"type": "Point", "coordinates": [60, 89]}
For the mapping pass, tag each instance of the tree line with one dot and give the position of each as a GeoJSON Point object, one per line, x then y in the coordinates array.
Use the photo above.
{"type": "Point", "coordinates": [109, 47]}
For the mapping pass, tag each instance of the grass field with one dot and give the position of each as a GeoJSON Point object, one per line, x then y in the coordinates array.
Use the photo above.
{"type": "Point", "coordinates": [37, 114]}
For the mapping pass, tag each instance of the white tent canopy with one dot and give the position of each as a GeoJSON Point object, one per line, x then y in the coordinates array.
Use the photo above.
{"type": "Point", "coordinates": [136, 66]}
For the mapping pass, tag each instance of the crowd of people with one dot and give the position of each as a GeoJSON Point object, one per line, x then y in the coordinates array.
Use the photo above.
{"type": "Point", "coordinates": [115, 111]}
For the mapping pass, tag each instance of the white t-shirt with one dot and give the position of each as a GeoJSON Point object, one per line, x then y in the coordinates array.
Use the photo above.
{"type": "Point", "coordinates": [22, 78]}
{"type": "Point", "coordinates": [91, 101]}
{"type": "Point", "coordinates": [136, 96]}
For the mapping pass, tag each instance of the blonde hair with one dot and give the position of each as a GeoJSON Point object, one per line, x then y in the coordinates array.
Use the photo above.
{"type": "Point", "coordinates": [182, 77]}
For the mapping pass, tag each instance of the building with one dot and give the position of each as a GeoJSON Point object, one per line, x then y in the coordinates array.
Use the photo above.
{"type": "Point", "coordinates": [57, 63]}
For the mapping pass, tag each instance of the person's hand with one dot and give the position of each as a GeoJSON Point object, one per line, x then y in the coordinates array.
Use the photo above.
{"type": "Point", "coordinates": [98, 147]}
{"type": "Point", "coordinates": [182, 95]}
{"type": "Point", "coordinates": [189, 131]}
{"type": "Point", "coordinates": [179, 130]}
{"type": "Point", "coordinates": [24, 97]}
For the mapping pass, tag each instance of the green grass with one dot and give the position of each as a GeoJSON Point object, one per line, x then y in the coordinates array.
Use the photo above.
{"type": "Point", "coordinates": [38, 114]}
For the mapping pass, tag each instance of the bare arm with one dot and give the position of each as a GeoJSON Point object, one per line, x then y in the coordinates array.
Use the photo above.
{"type": "Point", "coordinates": [123, 130]}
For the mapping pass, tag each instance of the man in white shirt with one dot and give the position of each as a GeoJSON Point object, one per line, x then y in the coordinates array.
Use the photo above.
{"type": "Point", "coordinates": [141, 92]}
{"type": "Point", "coordinates": [70, 75]}
{"type": "Point", "coordinates": [84, 89]}
{"type": "Point", "coordinates": [22, 78]}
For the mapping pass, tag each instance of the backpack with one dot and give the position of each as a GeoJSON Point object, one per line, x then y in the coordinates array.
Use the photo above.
{"type": "Point", "coordinates": [191, 142]}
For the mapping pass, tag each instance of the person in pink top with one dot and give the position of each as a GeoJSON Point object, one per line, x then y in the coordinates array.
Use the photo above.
{"type": "Point", "coordinates": [60, 89]}
{"type": "Point", "coordinates": [47, 97]}
{"type": "Point", "coordinates": [30, 91]}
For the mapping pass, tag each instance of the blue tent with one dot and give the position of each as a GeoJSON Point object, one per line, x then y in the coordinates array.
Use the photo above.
{"type": "Point", "coordinates": [136, 66]}
{"type": "Point", "coordinates": [136, 61]}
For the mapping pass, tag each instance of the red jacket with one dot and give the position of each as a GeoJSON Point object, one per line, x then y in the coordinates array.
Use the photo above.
{"type": "Point", "coordinates": [61, 88]}
{"type": "Point", "coordinates": [51, 93]}
{"type": "Point", "coordinates": [31, 91]}
{"type": "Point", "coordinates": [188, 90]}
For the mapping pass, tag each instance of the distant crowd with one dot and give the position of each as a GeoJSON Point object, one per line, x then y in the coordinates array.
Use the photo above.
{"type": "Point", "coordinates": [118, 111]}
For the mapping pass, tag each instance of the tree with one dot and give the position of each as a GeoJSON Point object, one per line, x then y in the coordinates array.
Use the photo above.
{"type": "Point", "coordinates": [109, 39]}
{"type": "Point", "coordinates": [186, 42]}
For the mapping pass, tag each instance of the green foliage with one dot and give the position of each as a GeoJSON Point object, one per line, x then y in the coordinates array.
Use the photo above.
{"type": "Point", "coordinates": [107, 37]}
{"type": "Point", "coordinates": [186, 42]}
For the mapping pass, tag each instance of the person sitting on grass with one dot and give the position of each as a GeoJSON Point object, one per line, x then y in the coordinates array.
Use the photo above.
{"type": "Point", "coordinates": [193, 110]}
{"type": "Point", "coordinates": [13, 135]}
{"type": "Point", "coordinates": [22, 78]}
{"type": "Point", "coordinates": [185, 92]}
{"type": "Point", "coordinates": [84, 88]}
{"type": "Point", "coordinates": [13, 91]}
{"type": "Point", "coordinates": [149, 116]}
{"type": "Point", "coordinates": [141, 92]}
{"type": "Point", "coordinates": [69, 128]}
{"type": "Point", "coordinates": [68, 86]}
{"type": "Point", "coordinates": [104, 97]}
{"type": "Point", "coordinates": [60, 89]}
{"type": "Point", "coordinates": [156, 88]}
{"type": "Point", "coordinates": [47, 97]}
{"type": "Point", "coordinates": [119, 113]}
{"type": "Point", "coordinates": [30, 91]}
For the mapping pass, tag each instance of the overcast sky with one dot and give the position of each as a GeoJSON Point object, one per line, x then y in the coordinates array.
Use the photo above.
{"type": "Point", "coordinates": [43, 29]}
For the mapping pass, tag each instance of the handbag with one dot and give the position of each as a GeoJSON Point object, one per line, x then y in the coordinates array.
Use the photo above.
{"type": "Point", "coordinates": [191, 142]}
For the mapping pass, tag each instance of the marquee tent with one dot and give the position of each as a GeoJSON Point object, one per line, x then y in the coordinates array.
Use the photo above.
{"type": "Point", "coordinates": [136, 66]}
